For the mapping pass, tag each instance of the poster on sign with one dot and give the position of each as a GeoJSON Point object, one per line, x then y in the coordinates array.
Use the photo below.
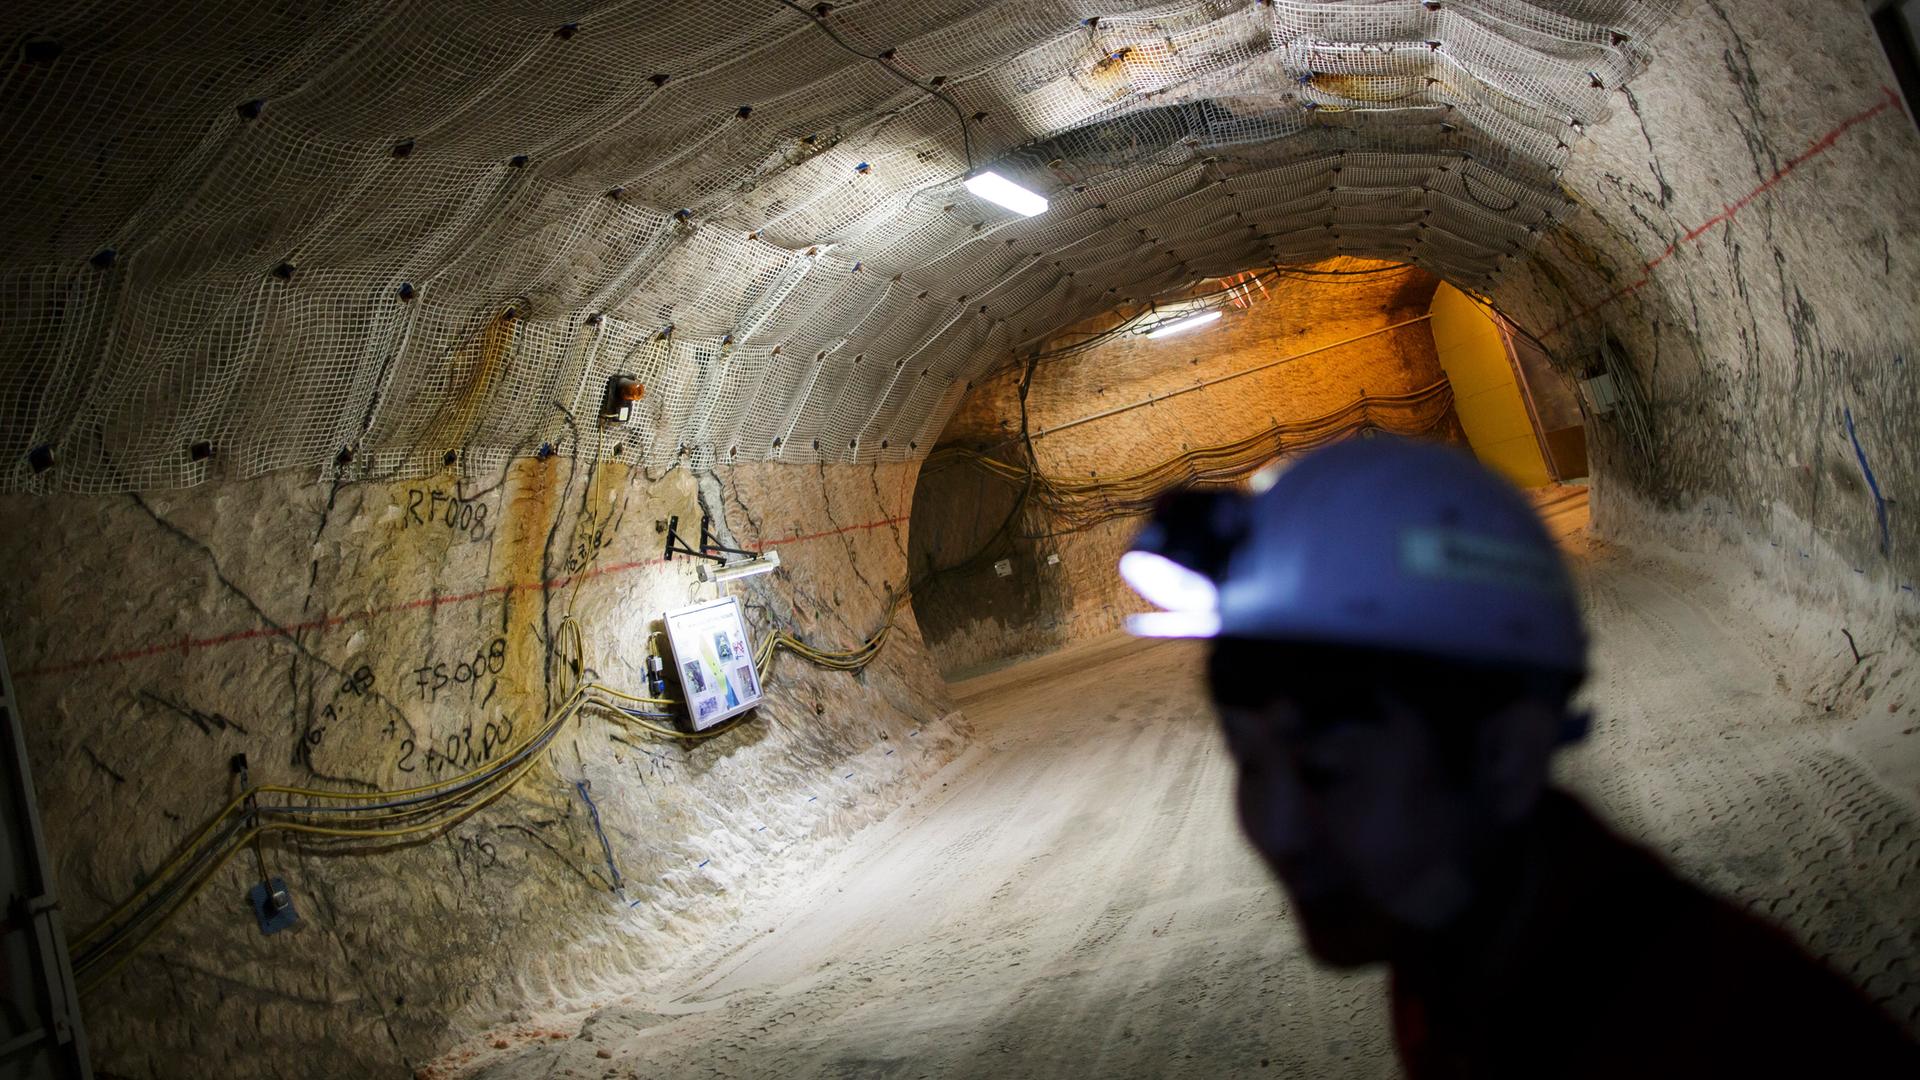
{"type": "Point", "coordinates": [714, 659]}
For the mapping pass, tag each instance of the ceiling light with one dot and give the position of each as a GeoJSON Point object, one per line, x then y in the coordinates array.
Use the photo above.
{"type": "Point", "coordinates": [1177, 326]}
{"type": "Point", "coordinates": [995, 188]}
{"type": "Point", "coordinates": [765, 564]}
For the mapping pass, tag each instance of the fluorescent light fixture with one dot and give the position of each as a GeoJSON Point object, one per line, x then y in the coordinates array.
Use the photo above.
{"type": "Point", "coordinates": [1177, 326]}
{"type": "Point", "coordinates": [765, 564]}
{"type": "Point", "coordinates": [1166, 584]}
{"type": "Point", "coordinates": [995, 188]}
{"type": "Point", "coordinates": [1174, 624]}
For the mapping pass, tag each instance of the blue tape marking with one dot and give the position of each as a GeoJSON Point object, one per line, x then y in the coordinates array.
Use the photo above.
{"type": "Point", "coordinates": [634, 904]}
{"type": "Point", "coordinates": [1879, 501]}
{"type": "Point", "coordinates": [762, 828]}
{"type": "Point", "coordinates": [272, 921]}
{"type": "Point", "coordinates": [605, 848]}
{"type": "Point", "coordinates": [849, 776]}
{"type": "Point", "coordinates": [913, 734]}
{"type": "Point", "coordinates": [887, 754]}
{"type": "Point", "coordinates": [703, 864]}
{"type": "Point", "coordinates": [810, 798]}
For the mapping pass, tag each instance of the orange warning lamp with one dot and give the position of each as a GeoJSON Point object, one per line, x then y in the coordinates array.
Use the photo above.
{"type": "Point", "coordinates": [623, 392]}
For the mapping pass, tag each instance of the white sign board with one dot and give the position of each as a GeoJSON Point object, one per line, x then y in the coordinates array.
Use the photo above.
{"type": "Point", "coordinates": [714, 660]}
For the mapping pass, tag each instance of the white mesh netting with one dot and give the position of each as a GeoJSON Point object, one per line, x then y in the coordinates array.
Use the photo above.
{"type": "Point", "coordinates": [241, 237]}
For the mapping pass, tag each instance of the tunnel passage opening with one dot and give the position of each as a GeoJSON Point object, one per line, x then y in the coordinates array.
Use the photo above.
{"type": "Point", "coordinates": [1050, 462]}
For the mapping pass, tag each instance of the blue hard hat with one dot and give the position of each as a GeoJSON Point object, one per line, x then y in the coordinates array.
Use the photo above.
{"type": "Point", "coordinates": [1410, 547]}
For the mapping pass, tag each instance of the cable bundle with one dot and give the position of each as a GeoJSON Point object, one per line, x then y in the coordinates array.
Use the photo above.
{"type": "Point", "coordinates": [264, 809]}
{"type": "Point", "coordinates": [850, 660]}
{"type": "Point", "coordinates": [1081, 504]}
{"type": "Point", "coordinates": [1133, 324]}
{"type": "Point", "coordinates": [383, 815]}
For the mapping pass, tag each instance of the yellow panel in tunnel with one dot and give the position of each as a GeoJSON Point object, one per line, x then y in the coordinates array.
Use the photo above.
{"type": "Point", "coordinates": [1485, 393]}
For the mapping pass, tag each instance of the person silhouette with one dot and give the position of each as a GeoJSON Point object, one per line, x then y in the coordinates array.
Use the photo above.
{"type": "Point", "coordinates": [1396, 643]}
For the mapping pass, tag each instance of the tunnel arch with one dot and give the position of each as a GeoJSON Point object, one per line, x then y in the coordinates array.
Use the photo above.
{"type": "Point", "coordinates": [797, 278]}
{"type": "Point", "coordinates": [275, 280]}
{"type": "Point", "coordinates": [1007, 567]}
{"type": "Point", "coordinates": [1698, 274]}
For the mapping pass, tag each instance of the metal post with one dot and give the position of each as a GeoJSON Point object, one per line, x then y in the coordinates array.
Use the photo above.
{"type": "Point", "coordinates": [50, 1042]}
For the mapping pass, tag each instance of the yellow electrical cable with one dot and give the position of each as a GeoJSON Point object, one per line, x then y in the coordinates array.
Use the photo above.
{"type": "Point", "coordinates": [241, 843]}
{"type": "Point", "coordinates": [160, 876]}
{"type": "Point", "coordinates": [242, 840]}
{"type": "Point", "coordinates": [514, 774]}
{"type": "Point", "coordinates": [624, 696]}
{"type": "Point", "coordinates": [1322, 424]}
{"type": "Point", "coordinates": [488, 783]}
{"type": "Point", "coordinates": [1082, 503]}
{"type": "Point", "coordinates": [660, 729]}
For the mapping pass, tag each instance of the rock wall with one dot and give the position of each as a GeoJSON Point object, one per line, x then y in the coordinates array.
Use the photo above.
{"type": "Point", "coordinates": [1062, 587]}
{"type": "Point", "coordinates": [385, 635]}
{"type": "Point", "coordinates": [1750, 240]}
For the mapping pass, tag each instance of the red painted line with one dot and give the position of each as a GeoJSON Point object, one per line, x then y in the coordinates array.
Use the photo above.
{"type": "Point", "coordinates": [1825, 143]}
{"type": "Point", "coordinates": [189, 644]}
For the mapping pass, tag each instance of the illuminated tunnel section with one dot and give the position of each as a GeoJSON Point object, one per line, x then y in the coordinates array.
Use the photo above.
{"type": "Point", "coordinates": [377, 380]}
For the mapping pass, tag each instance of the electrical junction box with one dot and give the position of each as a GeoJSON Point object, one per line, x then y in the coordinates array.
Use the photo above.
{"type": "Point", "coordinates": [272, 906]}
{"type": "Point", "coordinates": [1602, 395]}
{"type": "Point", "coordinates": [714, 660]}
{"type": "Point", "coordinates": [1053, 558]}
{"type": "Point", "coordinates": [1004, 568]}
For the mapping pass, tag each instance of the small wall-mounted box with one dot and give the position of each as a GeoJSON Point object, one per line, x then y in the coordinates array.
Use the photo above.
{"type": "Point", "coordinates": [1601, 393]}
{"type": "Point", "coordinates": [623, 393]}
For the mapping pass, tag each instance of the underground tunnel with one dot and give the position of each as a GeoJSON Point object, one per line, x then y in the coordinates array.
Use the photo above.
{"type": "Point", "coordinates": [576, 539]}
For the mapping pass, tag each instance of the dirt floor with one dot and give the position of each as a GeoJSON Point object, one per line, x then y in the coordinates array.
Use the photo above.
{"type": "Point", "coordinates": [1070, 898]}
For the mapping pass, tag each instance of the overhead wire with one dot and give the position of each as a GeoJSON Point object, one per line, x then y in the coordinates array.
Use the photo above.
{"type": "Point", "coordinates": [1466, 186]}
{"type": "Point", "coordinates": [1503, 319]}
{"type": "Point", "coordinates": [1080, 504]}
{"type": "Point", "coordinates": [818, 18]}
{"type": "Point", "coordinates": [1014, 512]}
{"type": "Point", "coordinates": [1084, 504]}
{"type": "Point", "coordinates": [1130, 323]}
